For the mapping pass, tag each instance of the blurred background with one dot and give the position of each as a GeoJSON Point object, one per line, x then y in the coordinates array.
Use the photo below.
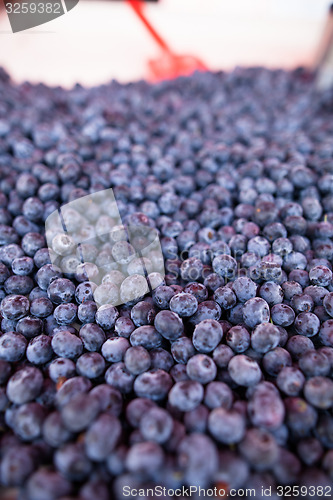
{"type": "Point", "coordinates": [101, 40]}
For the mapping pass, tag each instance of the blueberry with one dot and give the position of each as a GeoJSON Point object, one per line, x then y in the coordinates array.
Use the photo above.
{"type": "Point", "coordinates": [65, 314]}
{"type": "Point", "coordinates": [18, 285]}
{"type": "Point", "coordinates": [133, 288]}
{"type": "Point", "coordinates": [137, 360]}
{"type": "Point", "coordinates": [32, 242]}
{"type": "Point", "coordinates": [63, 244]}
{"type": "Point", "coordinates": [124, 327]}
{"type": "Point", "coordinates": [22, 266]}
{"type": "Point", "coordinates": [213, 281]}
{"type": "Point", "coordinates": [8, 253]}
{"type": "Point", "coordinates": [201, 368]}
{"type": "Point", "coordinates": [226, 426]}
{"type": "Point", "coordinates": [183, 304]}
{"type": "Point", "coordinates": [244, 371]}
{"type": "Point", "coordinates": [46, 274]}
{"type": "Point", "coordinates": [39, 350]}
{"type": "Point", "coordinates": [86, 312]}
{"type": "Point", "coordinates": [114, 349]}
{"type": "Point", "coordinates": [61, 291]}
{"type": "Point", "coordinates": [244, 288]}
{"type": "Point", "coordinates": [218, 394]}
{"type": "Point", "coordinates": [106, 316]}
{"type": "Point", "coordinates": [271, 292]}
{"type": "Point", "coordinates": [307, 323]}
{"type": "Point", "coordinates": [4, 273]}
{"type": "Point", "coordinates": [90, 365]}
{"type": "Point", "coordinates": [109, 399]}
{"type": "Point", "coordinates": [146, 336]}
{"type": "Point", "coordinates": [326, 333]}
{"type": "Point", "coordinates": [191, 269]}
{"type": "Point", "coordinates": [265, 395]}
{"type": "Point", "coordinates": [33, 209]}
{"type": "Point", "coordinates": [255, 311]}
{"type": "Point", "coordinates": [145, 458]}
{"type": "Point", "coordinates": [154, 385]}
{"type": "Point", "coordinates": [143, 313]}
{"type": "Point", "coordinates": [196, 420]}
{"type": "Point", "coordinates": [328, 303]}
{"type": "Point", "coordinates": [320, 275]}
{"type": "Point", "coordinates": [259, 448]}
{"type": "Point", "coordinates": [314, 363]}
{"type": "Point", "coordinates": [198, 468]}
{"type": "Point", "coordinates": [14, 306]}
{"type": "Point", "coordinates": [198, 290]}
{"type": "Point", "coordinates": [182, 350]}
{"type": "Point", "coordinates": [225, 265]}
{"type": "Point", "coordinates": [207, 309]}
{"type": "Point", "coordinates": [28, 421]}
{"type": "Point", "coordinates": [8, 235]}
{"type": "Point", "coordinates": [222, 354]}
{"type": "Point", "coordinates": [265, 337]}
{"type": "Point", "coordinates": [25, 385]}
{"type": "Point", "coordinates": [301, 276]}
{"type": "Point", "coordinates": [61, 368]}
{"type": "Point", "coordinates": [54, 432]}
{"type": "Point", "coordinates": [41, 307]}
{"type": "Point", "coordinates": [162, 295]}
{"type": "Point", "coordinates": [207, 335]}
{"type": "Point", "coordinates": [288, 468]}
{"type": "Point", "coordinates": [102, 437]}
{"type": "Point", "coordinates": [291, 288]}
{"type": "Point", "coordinates": [293, 261]}
{"type": "Point", "coordinates": [225, 297]}
{"type": "Point", "coordinates": [301, 417]}
{"type": "Point", "coordinates": [238, 338]}
{"type": "Point", "coordinates": [317, 293]}
{"type": "Point", "coordinates": [47, 485]}
{"type": "Point", "coordinates": [178, 372]}
{"type": "Point", "coordinates": [318, 391]}
{"type": "Point", "coordinates": [309, 450]}
{"type": "Point", "coordinates": [84, 291]}
{"type": "Point", "coordinates": [17, 465]}
{"type": "Point", "coordinates": [12, 346]}
{"type": "Point", "coordinates": [302, 303]}
{"type": "Point", "coordinates": [92, 336]}
{"type": "Point", "coordinates": [79, 412]}
{"type": "Point", "coordinates": [137, 409]}
{"type": "Point", "coordinates": [72, 463]}
{"type": "Point", "coordinates": [275, 360]}
{"type": "Point", "coordinates": [169, 325]}
{"type": "Point", "coordinates": [258, 245]}
{"type": "Point", "coordinates": [161, 359]}
{"type": "Point", "coordinates": [297, 345]}
{"type": "Point", "coordinates": [119, 377]}
{"type": "Point", "coordinates": [282, 246]}
{"type": "Point", "coordinates": [157, 425]}
{"type": "Point", "coordinates": [67, 345]}
{"type": "Point", "coordinates": [282, 315]}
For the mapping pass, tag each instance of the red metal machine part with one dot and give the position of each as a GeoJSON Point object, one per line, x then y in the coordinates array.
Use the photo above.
{"type": "Point", "coordinates": [169, 65]}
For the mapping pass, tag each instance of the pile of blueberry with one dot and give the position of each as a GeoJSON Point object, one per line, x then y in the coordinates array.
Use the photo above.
{"type": "Point", "coordinates": [221, 374]}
